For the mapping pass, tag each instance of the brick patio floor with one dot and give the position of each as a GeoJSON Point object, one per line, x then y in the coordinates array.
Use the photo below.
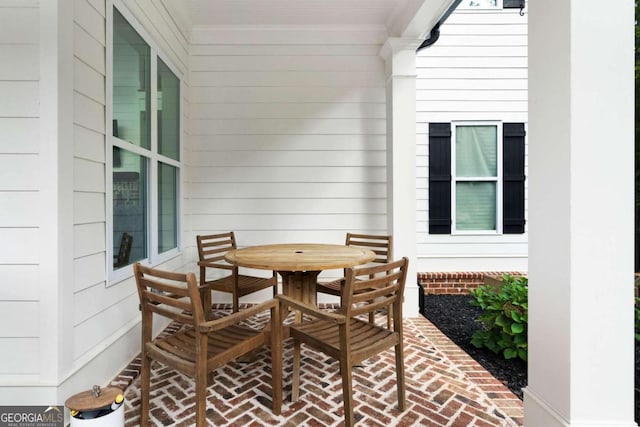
{"type": "Point", "coordinates": [445, 387]}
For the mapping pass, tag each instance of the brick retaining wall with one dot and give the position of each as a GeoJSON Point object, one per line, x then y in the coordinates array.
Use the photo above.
{"type": "Point", "coordinates": [456, 282]}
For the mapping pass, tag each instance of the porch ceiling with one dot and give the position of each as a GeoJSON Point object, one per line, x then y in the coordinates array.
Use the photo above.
{"type": "Point", "coordinates": [395, 15]}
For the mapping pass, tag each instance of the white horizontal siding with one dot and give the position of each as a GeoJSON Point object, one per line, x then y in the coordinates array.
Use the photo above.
{"type": "Point", "coordinates": [19, 135]}
{"type": "Point", "coordinates": [88, 207]}
{"type": "Point", "coordinates": [23, 357]}
{"type": "Point", "coordinates": [88, 144]}
{"type": "Point", "coordinates": [103, 324]}
{"type": "Point", "coordinates": [88, 113]}
{"type": "Point", "coordinates": [88, 49]}
{"type": "Point", "coordinates": [242, 78]}
{"type": "Point", "coordinates": [19, 62]}
{"type": "Point", "coordinates": [102, 314]}
{"type": "Point", "coordinates": [20, 197]}
{"type": "Point", "coordinates": [270, 95]}
{"type": "Point", "coordinates": [291, 222]}
{"type": "Point", "coordinates": [279, 142]}
{"type": "Point", "coordinates": [19, 209]}
{"type": "Point", "coordinates": [19, 99]}
{"type": "Point", "coordinates": [275, 174]}
{"type": "Point", "coordinates": [19, 282]}
{"type": "Point", "coordinates": [94, 299]}
{"type": "Point", "coordinates": [18, 172]}
{"type": "Point", "coordinates": [292, 190]}
{"type": "Point", "coordinates": [17, 25]}
{"type": "Point", "coordinates": [288, 134]}
{"type": "Point", "coordinates": [287, 126]}
{"type": "Point", "coordinates": [284, 49]}
{"type": "Point", "coordinates": [296, 63]}
{"type": "Point", "coordinates": [19, 319]}
{"type": "Point", "coordinates": [88, 176]}
{"type": "Point", "coordinates": [291, 110]}
{"type": "Point", "coordinates": [284, 206]}
{"type": "Point", "coordinates": [19, 246]}
{"type": "Point", "coordinates": [88, 271]}
{"type": "Point", "coordinates": [88, 239]}
{"type": "Point", "coordinates": [289, 158]}
{"type": "Point", "coordinates": [476, 71]}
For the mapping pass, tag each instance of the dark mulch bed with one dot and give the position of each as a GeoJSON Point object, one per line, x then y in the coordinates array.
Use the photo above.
{"type": "Point", "coordinates": [455, 317]}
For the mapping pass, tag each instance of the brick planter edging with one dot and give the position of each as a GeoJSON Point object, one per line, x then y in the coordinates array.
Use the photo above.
{"type": "Point", "coordinates": [456, 282]}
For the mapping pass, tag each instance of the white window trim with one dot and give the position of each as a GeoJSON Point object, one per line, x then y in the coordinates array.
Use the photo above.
{"type": "Point", "coordinates": [497, 179]}
{"type": "Point", "coordinates": [152, 156]}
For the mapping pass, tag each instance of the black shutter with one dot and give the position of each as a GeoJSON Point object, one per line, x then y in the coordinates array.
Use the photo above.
{"type": "Point", "coordinates": [439, 178]}
{"type": "Point", "coordinates": [513, 178]}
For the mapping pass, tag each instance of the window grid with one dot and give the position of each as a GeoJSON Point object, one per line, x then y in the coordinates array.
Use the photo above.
{"type": "Point", "coordinates": [152, 156]}
{"type": "Point", "coordinates": [497, 179]}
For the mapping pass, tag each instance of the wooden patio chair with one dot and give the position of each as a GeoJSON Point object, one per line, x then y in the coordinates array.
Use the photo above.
{"type": "Point", "coordinates": [345, 336]}
{"type": "Point", "coordinates": [381, 245]}
{"type": "Point", "coordinates": [200, 346]}
{"type": "Point", "coordinates": [211, 251]}
{"type": "Point", "coordinates": [124, 252]}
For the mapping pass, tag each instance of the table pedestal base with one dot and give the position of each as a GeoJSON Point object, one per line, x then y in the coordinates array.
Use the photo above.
{"type": "Point", "coordinates": [300, 285]}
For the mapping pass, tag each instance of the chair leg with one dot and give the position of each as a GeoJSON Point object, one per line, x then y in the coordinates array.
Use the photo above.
{"type": "Point", "coordinates": [201, 391]}
{"type": "Point", "coordinates": [347, 392]}
{"type": "Point", "coordinates": [276, 361]}
{"type": "Point", "coordinates": [145, 385]}
{"type": "Point", "coordinates": [400, 376]}
{"type": "Point", "coordinates": [295, 381]}
{"type": "Point", "coordinates": [236, 302]}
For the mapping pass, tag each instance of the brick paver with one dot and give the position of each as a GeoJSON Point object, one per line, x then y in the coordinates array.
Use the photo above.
{"type": "Point", "coordinates": [445, 387]}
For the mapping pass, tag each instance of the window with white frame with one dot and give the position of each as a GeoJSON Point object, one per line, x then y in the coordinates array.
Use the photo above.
{"type": "Point", "coordinates": [476, 177]}
{"type": "Point", "coordinates": [144, 109]}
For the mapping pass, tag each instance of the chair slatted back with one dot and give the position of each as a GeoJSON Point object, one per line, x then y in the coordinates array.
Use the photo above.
{"type": "Point", "coordinates": [124, 252]}
{"type": "Point", "coordinates": [213, 247]}
{"type": "Point", "coordinates": [172, 295]}
{"type": "Point", "coordinates": [371, 288]}
{"type": "Point", "coordinates": [381, 245]}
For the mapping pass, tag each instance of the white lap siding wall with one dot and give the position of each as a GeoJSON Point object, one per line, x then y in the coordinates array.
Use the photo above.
{"type": "Point", "coordinates": [477, 70]}
{"type": "Point", "coordinates": [288, 134]}
{"type": "Point", "coordinates": [104, 315]}
{"type": "Point", "coordinates": [61, 328]}
{"type": "Point", "coordinates": [19, 193]}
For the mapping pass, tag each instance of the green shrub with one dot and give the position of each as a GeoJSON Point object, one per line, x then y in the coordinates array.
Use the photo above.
{"type": "Point", "coordinates": [504, 317]}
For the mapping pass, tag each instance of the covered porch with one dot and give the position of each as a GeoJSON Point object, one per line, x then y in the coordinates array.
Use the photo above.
{"type": "Point", "coordinates": [299, 123]}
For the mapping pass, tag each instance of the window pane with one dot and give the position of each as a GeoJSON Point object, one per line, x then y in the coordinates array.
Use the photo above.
{"type": "Point", "coordinates": [131, 81]}
{"type": "Point", "coordinates": [168, 112]}
{"type": "Point", "coordinates": [477, 151]}
{"type": "Point", "coordinates": [167, 207]}
{"type": "Point", "coordinates": [129, 206]}
{"type": "Point", "coordinates": [475, 205]}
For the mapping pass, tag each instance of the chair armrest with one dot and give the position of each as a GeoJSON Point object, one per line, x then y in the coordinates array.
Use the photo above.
{"type": "Point", "coordinates": [311, 310]}
{"type": "Point", "coordinates": [232, 319]}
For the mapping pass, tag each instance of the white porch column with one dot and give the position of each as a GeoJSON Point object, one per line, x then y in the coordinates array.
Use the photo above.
{"type": "Point", "coordinates": [400, 57]}
{"type": "Point", "coordinates": [581, 164]}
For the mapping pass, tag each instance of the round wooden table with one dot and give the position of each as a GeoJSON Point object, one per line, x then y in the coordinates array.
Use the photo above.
{"type": "Point", "coordinates": [299, 263]}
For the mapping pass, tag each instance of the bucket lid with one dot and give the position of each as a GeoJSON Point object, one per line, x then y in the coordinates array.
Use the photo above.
{"type": "Point", "coordinates": [88, 401]}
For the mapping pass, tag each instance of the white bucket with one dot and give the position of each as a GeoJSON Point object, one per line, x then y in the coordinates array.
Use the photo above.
{"type": "Point", "coordinates": [112, 419]}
